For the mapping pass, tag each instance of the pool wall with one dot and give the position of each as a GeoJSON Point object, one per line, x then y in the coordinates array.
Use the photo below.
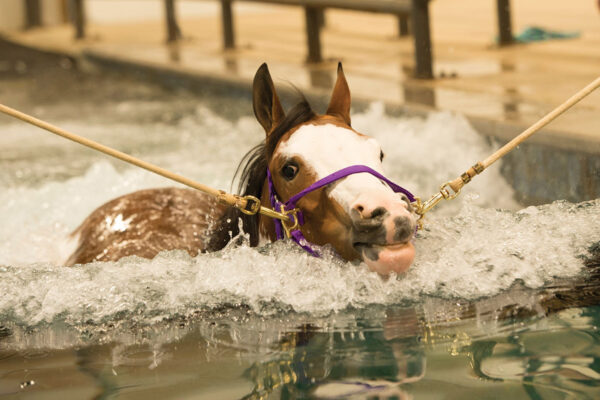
{"type": "Point", "coordinates": [551, 165]}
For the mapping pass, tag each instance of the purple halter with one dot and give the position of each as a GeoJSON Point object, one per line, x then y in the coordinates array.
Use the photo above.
{"type": "Point", "coordinates": [296, 235]}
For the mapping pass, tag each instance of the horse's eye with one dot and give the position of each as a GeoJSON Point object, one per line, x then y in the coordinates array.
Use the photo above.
{"type": "Point", "coordinates": [289, 171]}
{"type": "Point", "coordinates": [381, 155]}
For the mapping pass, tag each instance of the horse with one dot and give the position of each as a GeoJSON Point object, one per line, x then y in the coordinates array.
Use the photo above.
{"type": "Point", "coordinates": [362, 215]}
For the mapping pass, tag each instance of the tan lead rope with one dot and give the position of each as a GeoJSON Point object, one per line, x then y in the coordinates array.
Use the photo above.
{"type": "Point", "coordinates": [251, 205]}
{"type": "Point", "coordinates": [457, 184]}
{"type": "Point", "coordinates": [247, 204]}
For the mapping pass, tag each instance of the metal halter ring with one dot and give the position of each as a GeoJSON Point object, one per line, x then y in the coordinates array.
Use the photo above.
{"type": "Point", "coordinates": [293, 216]}
{"type": "Point", "coordinates": [420, 211]}
{"type": "Point", "coordinates": [252, 205]}
{"type": "Point", "coordinates": [446, 193]}
{"type": "Point", "coordinates": [249, 205]}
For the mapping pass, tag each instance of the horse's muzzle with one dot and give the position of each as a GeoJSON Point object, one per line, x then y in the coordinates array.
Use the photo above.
{"type": "Point", "coordinates": [383, 238]}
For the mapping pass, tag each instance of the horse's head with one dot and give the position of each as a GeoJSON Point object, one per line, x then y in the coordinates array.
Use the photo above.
{"type": "Point", "coordinates": [359, 215]}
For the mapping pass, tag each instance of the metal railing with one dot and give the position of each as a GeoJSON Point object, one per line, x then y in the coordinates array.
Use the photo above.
{"type": "Point", "coordinates": [415, 11]}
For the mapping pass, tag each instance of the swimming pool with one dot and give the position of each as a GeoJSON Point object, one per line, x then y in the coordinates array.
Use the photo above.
{"type": "Point", "coordinates": [499, 302]}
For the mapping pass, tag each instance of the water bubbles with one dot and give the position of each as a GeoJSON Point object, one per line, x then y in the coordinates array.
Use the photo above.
{"type": "Point", "coordinates": [473, 247]}
{"type": "Point", "coordinates": [472, 197]}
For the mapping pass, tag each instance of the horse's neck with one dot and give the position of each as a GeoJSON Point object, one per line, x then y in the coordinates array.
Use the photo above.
{"type": "Point", "coordinates": [228, 226]}
{"type": "Point", "coordinates": [266, 226]}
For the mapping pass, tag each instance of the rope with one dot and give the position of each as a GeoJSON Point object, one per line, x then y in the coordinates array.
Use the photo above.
{"type": "Point", "coordinates": [247, 204]}
{"type": "Point", "coordinates": [251, 205]}
{"type": "Point", "coordinates": [457, 184]}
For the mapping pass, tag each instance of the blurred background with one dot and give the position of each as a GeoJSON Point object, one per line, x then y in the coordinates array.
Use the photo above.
{"type": "Point", "coordinates": [502, 64]}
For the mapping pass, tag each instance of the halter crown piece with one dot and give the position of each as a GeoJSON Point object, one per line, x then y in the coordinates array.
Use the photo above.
{"type": "Point", "coordinates": [297, 218]}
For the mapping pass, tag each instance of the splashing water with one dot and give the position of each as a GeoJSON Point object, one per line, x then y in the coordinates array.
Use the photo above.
{"type": "Point", "coordinates": [471, 248]}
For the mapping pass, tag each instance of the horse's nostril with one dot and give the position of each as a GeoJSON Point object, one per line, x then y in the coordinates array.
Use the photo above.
{"type": "Point", "coordinates": [403, 229]}
{"type": "Point", "coordinates": [378, 212]}
{"type": "Point", "coordinates": [365, 210]}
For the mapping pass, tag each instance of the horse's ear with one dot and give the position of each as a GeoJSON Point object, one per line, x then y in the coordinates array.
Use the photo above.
{"type": "Point", "coordinates": [339, 105]}
{"type": "Point", "coordinates": [265, 101]}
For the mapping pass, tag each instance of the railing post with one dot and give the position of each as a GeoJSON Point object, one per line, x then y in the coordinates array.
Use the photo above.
{"type": "Point", "coordinates": [173, 32]}
{"type": "Point", "coordinates": [422, 39]}
{"type": "Point", "coordinates": [322, 20]}
{"type": "Point", "coordinates": [504, 23]}
{"type": "Point", "coordinates": [227, 21]}
{"type": "Point", "coordinates": [403, 29]}
{"type": "Point", "coordinates": [313, 34]}
{"type": "Point", "coordinates": [78, 15]}
{"type": "Point", "coordinates": [33, 13]}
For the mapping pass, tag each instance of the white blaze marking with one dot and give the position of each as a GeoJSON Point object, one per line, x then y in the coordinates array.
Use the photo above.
{"type": "Point", "coordinates": [329, 148]}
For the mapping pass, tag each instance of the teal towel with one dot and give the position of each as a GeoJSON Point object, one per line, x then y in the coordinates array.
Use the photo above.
{"type": "Point", "coordinates": [536, 34]}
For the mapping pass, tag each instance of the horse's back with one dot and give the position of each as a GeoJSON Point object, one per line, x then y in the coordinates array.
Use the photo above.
{"type": "Point", "coordinates": [145, 223]}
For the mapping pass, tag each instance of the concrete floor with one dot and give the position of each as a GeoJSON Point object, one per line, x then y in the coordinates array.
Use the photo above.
{"type": "Point", "coordinates": [495, 87]}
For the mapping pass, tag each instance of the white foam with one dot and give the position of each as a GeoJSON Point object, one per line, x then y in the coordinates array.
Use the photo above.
{"type": "Point", "coordinates": [421, 154]}
{"type": "Point", "coordinates": [469, 250]}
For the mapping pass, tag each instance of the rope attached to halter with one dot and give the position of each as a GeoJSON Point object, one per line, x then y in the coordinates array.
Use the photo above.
{"type": "Point", "coordinates": [457, 184]}
{"type": "Point", "coordinates": [247, 204]}
{"type": "Point", "coordinates": [288, 212]}
{"type": "Point", "coordinates": [289, 207]}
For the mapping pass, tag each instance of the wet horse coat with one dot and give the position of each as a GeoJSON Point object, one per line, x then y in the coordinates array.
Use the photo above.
{"type": "Point", "coordinates": [359, 215]}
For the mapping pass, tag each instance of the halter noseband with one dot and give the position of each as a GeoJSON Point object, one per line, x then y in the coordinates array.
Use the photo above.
{"type": "Point", "coordinates": [296, 216]}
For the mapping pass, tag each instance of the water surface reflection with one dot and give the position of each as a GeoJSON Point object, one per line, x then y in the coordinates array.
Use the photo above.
{"type": "Point", "coordinates": [523, 343]}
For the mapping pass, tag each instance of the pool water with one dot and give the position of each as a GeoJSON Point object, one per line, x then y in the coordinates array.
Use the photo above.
{"type": "Point", "coordinates": [499, 302]}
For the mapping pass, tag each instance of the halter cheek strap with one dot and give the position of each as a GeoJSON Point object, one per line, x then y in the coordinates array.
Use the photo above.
{"type": "Point", "coordinates": [298, 218]}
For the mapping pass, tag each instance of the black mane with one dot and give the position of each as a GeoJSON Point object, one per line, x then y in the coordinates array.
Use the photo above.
{"type": "Point", "coordinates": [252, 172]}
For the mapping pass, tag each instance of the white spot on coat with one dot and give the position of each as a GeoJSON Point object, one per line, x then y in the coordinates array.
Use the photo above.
{"type": "Point", "coordinates": [118, 224]}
